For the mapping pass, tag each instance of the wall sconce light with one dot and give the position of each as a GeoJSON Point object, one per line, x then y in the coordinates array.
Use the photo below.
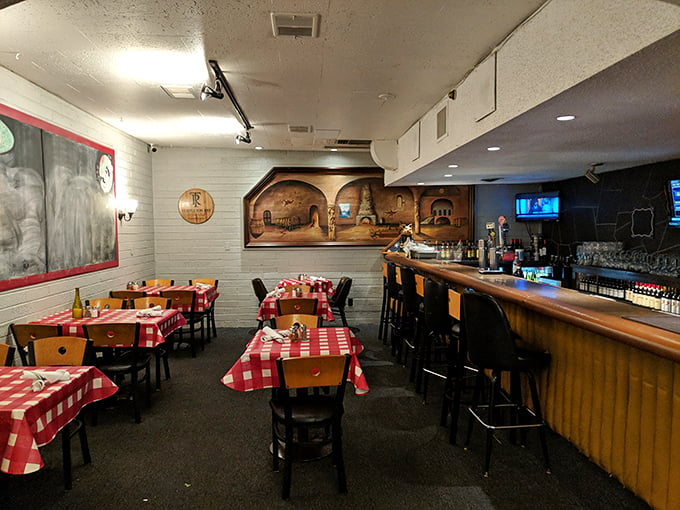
{"type": "Point", "coordinates": [126, 208]}
{"type": "Point", "coordinates": [207, 91]}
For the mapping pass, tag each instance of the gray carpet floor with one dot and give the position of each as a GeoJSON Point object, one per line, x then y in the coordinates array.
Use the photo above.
{"type": "Point", "coordinates": [202, 445]}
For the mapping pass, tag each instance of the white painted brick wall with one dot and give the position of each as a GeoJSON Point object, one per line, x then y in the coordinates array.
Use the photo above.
{"type": "Point", "coordinates": [215, 248]}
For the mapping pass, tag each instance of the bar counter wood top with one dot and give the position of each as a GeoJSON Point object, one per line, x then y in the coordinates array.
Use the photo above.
{"type": "Point", "coordinates": [613, 384]}
{"type": "Point", "coordinates": [599, 314]}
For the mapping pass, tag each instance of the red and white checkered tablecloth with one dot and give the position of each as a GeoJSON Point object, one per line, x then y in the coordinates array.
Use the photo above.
{"type": "Point", "coordinates": [318, 284]}
{"type": "Point", "coordinates": [31, 419]}
{"type": "Point", "coordinates": [256, 368]}
{"type": "Point", "coordinates": [152, 330]}
{"type": "Point", "coordinates": [204, 297]}
{"type": "Point", "coordinates": [268, 309]}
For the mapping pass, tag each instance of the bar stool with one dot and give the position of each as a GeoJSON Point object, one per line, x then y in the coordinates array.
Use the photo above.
{"type": "Point", "coordinates": [439, 331]}
{"type": "Point", "coordinates": [491, 347]}
{"type": "Point", "coordinates": [412, 320]}
{"type": "Point", "coordinates": [382, 330]}
{"type": "Point", "coordinates": [394, 304]}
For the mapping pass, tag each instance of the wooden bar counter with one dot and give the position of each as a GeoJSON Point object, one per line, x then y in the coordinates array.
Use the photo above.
{"type": "Point", "coordinates": [613, 385]}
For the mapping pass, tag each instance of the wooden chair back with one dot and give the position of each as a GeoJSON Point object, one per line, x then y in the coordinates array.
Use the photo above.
{"type": "Point", "coordinates": [183, 300]}
{"type": "Point", "coordinates": [150, 302]}
{"type": "Point", "coordinates": [59, 351]}
{"type": "Point", "coordinates": [420, 285]}
{"type": "Point", "coordinates": [314, 371]}
{"type": "Point", "coordinates": [158, 282]}
{"type": "Point", "coordinates": [112, 334]}
{"type": "Point", "coordinates": [127, 294]}
{"type": "Point", "coordinates": [287, 321]}
{"type": "Point", "coordinates": [301, 286]}
{"type": "Point", "coordinates": [6, 355]}
{"type": "Point", "coordinates": [207, 281]}
{"type": "Point", "coordinates": [107, 303]}
{"type": "Point", "coordinates": [25, 333]}
{"type": "Point", "coordinates": [287, 306]}
{"type": "Point", "coordinates": [454, 304]}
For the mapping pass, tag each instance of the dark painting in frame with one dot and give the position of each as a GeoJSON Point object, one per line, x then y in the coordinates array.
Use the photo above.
{"type": "Point", "coordinates": [304, 206]}
{"type": "Point", "coordinates": [57, 213]}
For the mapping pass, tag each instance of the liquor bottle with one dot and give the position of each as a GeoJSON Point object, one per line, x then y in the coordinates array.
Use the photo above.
{"type": "Point", "coordinates": [77, 308]}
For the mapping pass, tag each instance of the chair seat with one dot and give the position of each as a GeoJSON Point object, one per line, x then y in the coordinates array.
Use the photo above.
{"type": "Point", "coordinates": [124, 363]}
{"type": "Point", "coordinates": [312, 410]}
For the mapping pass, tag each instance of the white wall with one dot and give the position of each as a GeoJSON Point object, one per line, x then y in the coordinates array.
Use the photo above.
{"type": "Point", "coordinates": [133, 173]}
{"type": "Point", "coordinates": [215, 249]}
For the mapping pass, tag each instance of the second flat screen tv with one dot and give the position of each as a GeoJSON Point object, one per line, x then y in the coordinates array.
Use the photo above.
{"type": "Point", "coordinates": [538, 206]}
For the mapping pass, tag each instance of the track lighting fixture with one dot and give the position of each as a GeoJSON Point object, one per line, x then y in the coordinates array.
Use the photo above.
{"type": "Point", "coordinates": [590, 173]}
{"type": "Point", "coordinates": [207, 91]}
{"type": "Point", "coordinates": [241, 138]}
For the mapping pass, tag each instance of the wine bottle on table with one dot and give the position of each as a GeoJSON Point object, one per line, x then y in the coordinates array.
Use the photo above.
{"type": "Point", "coordinates": [77, 308]}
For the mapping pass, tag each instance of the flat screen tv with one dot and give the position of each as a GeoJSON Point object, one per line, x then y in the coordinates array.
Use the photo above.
{"type": "Point", "coordinates": [674, 195]}
{"type": "Point", "coordinates": [538, 206]}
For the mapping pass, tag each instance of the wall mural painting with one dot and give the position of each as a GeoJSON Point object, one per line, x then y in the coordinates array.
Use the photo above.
{"type": "Point", "coordinates": [323, 207]}
{"type": "Point", "coordinates": [57, 217]}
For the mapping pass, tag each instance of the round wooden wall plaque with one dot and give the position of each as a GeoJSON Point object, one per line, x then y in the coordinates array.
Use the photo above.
{"type": "Point", "coordinates": [196, 205]}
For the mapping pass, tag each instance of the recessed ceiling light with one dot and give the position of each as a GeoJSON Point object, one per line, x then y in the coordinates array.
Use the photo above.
{"type": "Point", "coordinates": [448, 175]}
{"type": "Point", "coordinates": [420, 183]}
{"type": "Point", "coordinates": [334, 150]}
{"type": "Point", "coordinates": [453, 166]}
{"type": "Point", "coordinates": [179, 92]}
{"type": "Point", "coordinates": [492, 149]}
{"type": "Point", "coordinates": [258, 148]}
{"type": "Point", "coordinates": [565, 118]}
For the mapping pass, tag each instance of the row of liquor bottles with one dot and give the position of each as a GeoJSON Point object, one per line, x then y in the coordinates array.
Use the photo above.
{"type": "Point", "coordinates": [649, 295]}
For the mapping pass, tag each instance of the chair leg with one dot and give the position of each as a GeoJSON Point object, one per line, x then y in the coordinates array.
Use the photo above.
{"type": "Point", "coordinates": [287, 463]}
{"type": "Point", "coordinates": [539, 418]}
{"type": "Point", "coordinates": [66, 456]}
{"type": "Point", "coordinates": [338, 457]}
{"type": "Point", "coordinates": [493, 393]}
{"type": "Point", "coordinates": [84, 446]}
{"type": "Point", "coordinates": [479, 382]}
{"type": "Point", "coordinates": [383, 312]}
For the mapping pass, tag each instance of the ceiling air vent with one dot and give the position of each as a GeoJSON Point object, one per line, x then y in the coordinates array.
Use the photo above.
{"type": "Point", "coordinates": [350, 144]}
{"type": "Point", "coordinates": [295, 25]}
{"type": "Point", "coordinates": [299, 129]}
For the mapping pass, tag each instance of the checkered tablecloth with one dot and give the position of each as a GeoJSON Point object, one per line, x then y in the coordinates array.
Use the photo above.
{"type": "Point", "coordinates": [256, 368]}
{"type": "Point", "coordinates": [268, 309]}
{"type": "Point", "coordinates": [31, 419]}
{"type": "Point", "coordinates": [152, 330]}
{"type": "Point", "coordinates": [203, 296]}
{"type": "Point", "coordinates": [318, 284]}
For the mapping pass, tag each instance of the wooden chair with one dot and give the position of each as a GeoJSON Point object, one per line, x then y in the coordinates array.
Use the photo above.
{"type": "Point", "coordinates": [161, 350]}
{"type": "Point", "coordinates": [304, 420]}
{"type": "Point", "coordinates": [296, 305]}
{"type": "Point", "coordinates": [65, 351]}
{"type": "Point", "coordinates": [210, 312]}
{"type": "Point", "coordinates": [158, 283]}
{"type": "Point", "coordinates": [301, 286]}
{"type": "Point", "coordinates": [185, 302]}
{"type": "Point", "coordinates": [127, 294]}
{"type": "Point", "coordinates": [287, 321]}
{"type": "Point", "coordinates": [118, 363]}
{"type": "Point", "coordinates": [107, 303]}
{"type": "Point", "coordinates": [6, 355]}
{"type": "Point", "coordinates": [24, 333]}
{"type": "Point", "coordinates": [59, 351]}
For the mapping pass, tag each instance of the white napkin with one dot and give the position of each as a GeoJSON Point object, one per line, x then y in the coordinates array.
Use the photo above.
{"type": "Point", "coordinates": [270, 334]}
{"type": "Point", "coordinates": [154, 311]}
{"type": "Point", "coordinates": [200, 285]}
{"type": "Point", "coordinates": [276, 292]}
{"type": "Point", "coordinates": [41, 378]}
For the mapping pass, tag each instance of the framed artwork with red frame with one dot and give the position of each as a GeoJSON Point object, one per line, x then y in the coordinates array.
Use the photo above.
{"type": "Point", "coordinates": [57, 209]}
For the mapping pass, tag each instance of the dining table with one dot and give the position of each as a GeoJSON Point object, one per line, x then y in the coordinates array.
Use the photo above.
{"type": "Point", "coordinates": [316, 283]}
{"type": "Point", "coordinates": [153, 329]}
{"type": "Point", "coordinates": [31, 419]}
{"type": "Point", "coordinates": [256, 367]}
{"type": "Point", "coordinates": [269, 310]}
{"type": "Point", "coordinates": [205, 294]}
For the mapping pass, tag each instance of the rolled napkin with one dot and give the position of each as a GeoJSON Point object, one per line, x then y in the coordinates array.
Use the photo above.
{"type": "Point", "coordinates": [200, 285]}
{"type": "Point", "coordinates": [154, 311]}
{"type": "Point", "coordinates": [278, 292]}
{"type": "Point", "coordinates": [270, 334]}
{"type": "Point", "coordinates": [41, 378]}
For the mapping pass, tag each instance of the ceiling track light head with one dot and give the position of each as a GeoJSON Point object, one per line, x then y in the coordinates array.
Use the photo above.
{"type": "Point", "coordinates": [207, 91]}
{"type": "Point", "coordinates": [590, 173]}
{"type": "Point", "coordinates": [243, 138]}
